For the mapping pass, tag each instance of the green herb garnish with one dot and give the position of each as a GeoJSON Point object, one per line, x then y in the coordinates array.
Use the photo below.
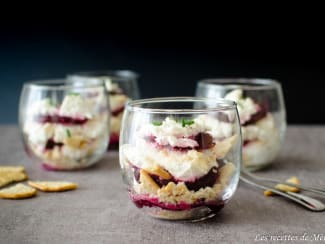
{"type": "Point", "coordinates": [186, 122]}
{"type": "Point", "coordinates": [157, 123]}
{"type": "Point", "coordinates": [68, 133]}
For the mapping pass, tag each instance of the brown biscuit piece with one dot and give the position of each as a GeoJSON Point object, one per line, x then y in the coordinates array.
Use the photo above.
{"type": "Point", "coordinates": [12, 169]}
{"type": "Point", "coordinates": [148, 182]}
{"type": "Point", "coordinates": [18, 191]}
{"type": "Point", "coordinates": [7, 177]}
{"type": "Point", "coordinates": [157, 170]}
{"type": "Point", "coordinates": [53, 186]}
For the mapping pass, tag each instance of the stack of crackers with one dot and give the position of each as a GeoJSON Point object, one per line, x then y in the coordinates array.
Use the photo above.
{"type": "Point", "coordinates": [15, 174]}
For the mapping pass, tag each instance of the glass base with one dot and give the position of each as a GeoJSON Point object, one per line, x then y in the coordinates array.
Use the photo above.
{"type": "Point", "coordinates": [191, 215]}
{"type": "Point", "coordinates": [49, 167]}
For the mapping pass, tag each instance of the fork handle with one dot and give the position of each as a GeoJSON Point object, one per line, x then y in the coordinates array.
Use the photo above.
{"type": "Point", "coordinates": [302, 187]}
{"type": "Point", "coordinates": [309, 203]}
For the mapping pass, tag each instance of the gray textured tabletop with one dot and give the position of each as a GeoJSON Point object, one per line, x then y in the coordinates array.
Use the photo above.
{"type": "Point", "coordinates": [100, 211]}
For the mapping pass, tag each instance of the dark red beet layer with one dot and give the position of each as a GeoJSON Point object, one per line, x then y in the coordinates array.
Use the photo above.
{"type": "Point", "coordinates": [113, 141]}
{"type": "Point", "coordinates": [50, 144]}
{"type": "Point", "coordinates": [117, 111]}
{"type": "Point", "coordinates": [204, 140]}
{"type": "Point", "coordinates": [247, 142]}
{"type": "Point", "coordinates": [61, 120]}
{"type": "Point", "coordinates": [144, 201]}
{"type": "Point", "coordinates": [117, 92]}
{"type": "Point", "coordinates": [54, 168]}
{"type": "Point", "coordinates": [207, 180]}
{"type": "Point", "coordinates": [177, 149]}
{"type": "Point", "coordinates": [260, 114]}
{"type": "Point", "coordinates": [49, 167]}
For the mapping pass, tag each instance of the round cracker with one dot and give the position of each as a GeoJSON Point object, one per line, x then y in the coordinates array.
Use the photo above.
{"type": "Point", "coordinates": [53, 186]}
{"type": "Point", "coordinates": [18, 191]}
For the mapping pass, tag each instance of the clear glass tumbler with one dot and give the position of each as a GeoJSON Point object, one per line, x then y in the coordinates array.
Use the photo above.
{"type": "Point", "coordinates": [262, 114]}
{"type": "Point", "coordinates": [122, 87]}
{"type": "Point", "coordinates": [180, 156]}
{"type": "Point", "coordinates": [64, 125]}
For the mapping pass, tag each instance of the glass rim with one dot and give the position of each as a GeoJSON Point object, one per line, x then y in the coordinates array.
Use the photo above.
{"type": "Point", "coordinates": [134, 105]}
{"type": "Point", "coordinates": [121, 74]}
{"type": "Point", "coordinates": [245, 83]}
{"type": "Point", "coordinates": [59, 84]}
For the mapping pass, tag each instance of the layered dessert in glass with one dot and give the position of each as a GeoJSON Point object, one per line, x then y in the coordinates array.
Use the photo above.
{"type": "Point", "coordinates": [122, 87]}
{"type": "Point", "coordinates": [262, 115]}
{"type": "Point", "coordinates": [180, 164]}
{"type": "Point", "coordinates": [64, 126]}
{"type": "Point", "coordinates": [117, 101]}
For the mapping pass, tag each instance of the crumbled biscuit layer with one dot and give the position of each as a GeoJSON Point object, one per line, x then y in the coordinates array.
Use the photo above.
{"type": "Point", "coordinates": [178, 193]}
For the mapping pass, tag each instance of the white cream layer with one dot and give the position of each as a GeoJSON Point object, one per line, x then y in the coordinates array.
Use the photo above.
{"type": "Point", "coordinates": [117, 101]}
{"type": "Point", "coordinates": [265, 142]}
{"type": "Point", "coordinates": [246, 106]}
{"type": "Point", "coordinates": [185, 166]}
{"type": "Point", "coordinates": [77, 107]}
{"type": "Point", "coordinates": [175, 134]}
